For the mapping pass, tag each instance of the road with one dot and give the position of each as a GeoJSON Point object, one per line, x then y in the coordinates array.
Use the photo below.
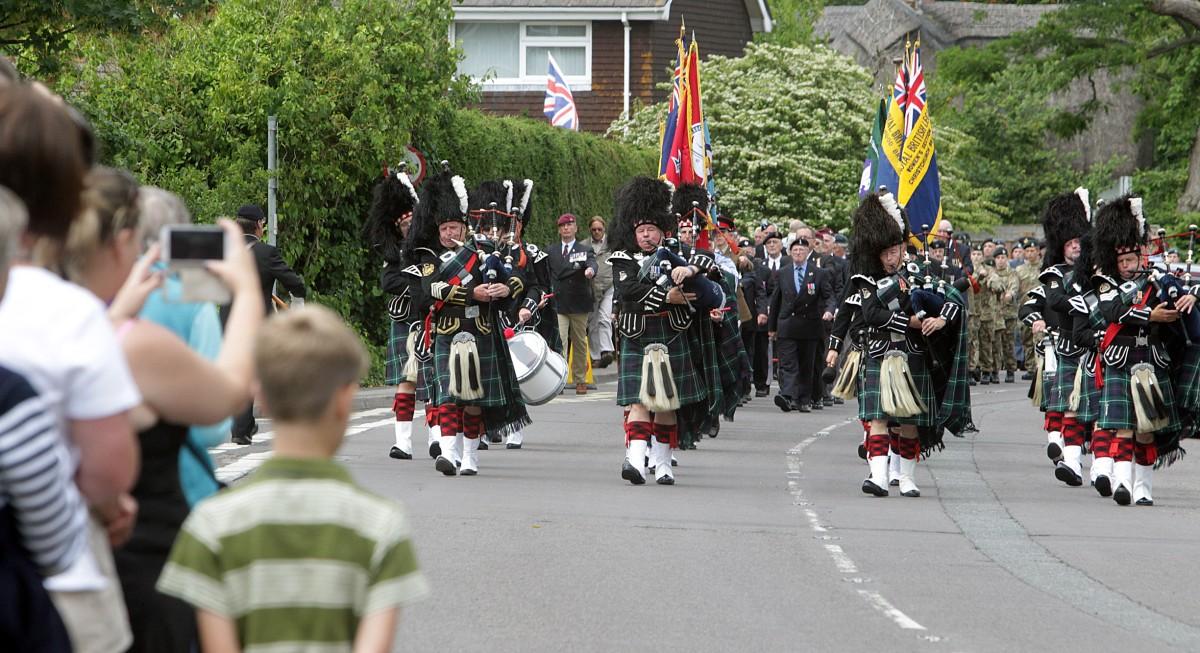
{"type": "Point", "coordinates": [766, 543]}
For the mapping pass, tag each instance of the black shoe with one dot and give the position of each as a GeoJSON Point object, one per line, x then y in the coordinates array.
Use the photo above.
{"type": "Point", "coordinates": [804, 408]}
{"type": "Point", "coordinates": [445, 466]}
{"type": "Point", "coordinates": [241, 439]}
{"type": "Point", "coordinates": [468, 472]}
{"type": "Point", "coordinates": [435, 449]}
{"type": "Point", "coordinates": [483, 444]}
{"type": "Point", "coordinates": [666, 480]}
{"type": "Point", "coordinates": [606, 359]}
{"type": "Point", "coordinates": [784, 403]}
{"type": "Point", "coordinates": [1054, 452]}
{"type": "Point", "coordinates": [1067, 475]}
{"type": "Point", "coordinates": [494, 438]}
{"type": "Point", "coordinates": [1121, 495]}
{"type": "Point", "coordinates": [826, 401]}
{"type": "Point", "coordinates": [1010, 378]}
{"type": "Point", "coordinates": [1104, 486]}
{"type": "Point", "coordinates": [971, 380]}
{"type": "Point", "coordinates": [985, 379]}
{"type": "Point", "coordinates": [862, 451]}
{"type": "Point", "coordinates": [837, 401]}
{"type": "Point", "coordinates": [511, 445]}
{"type": "Point", "coordinates": [399, 455]}
{"type": "Point", "coordinates": [817, 405]}
{"type": "Point", "coordinates": [630, 474]}
{"type": "Point", "coordinates": [762, 392]}
{"type": "Point", "coordinates": [1144, 502]}
{"type": "Point", "coordinates": [674, 463]}
{"type": "Point", "coordinates": [869, 487]}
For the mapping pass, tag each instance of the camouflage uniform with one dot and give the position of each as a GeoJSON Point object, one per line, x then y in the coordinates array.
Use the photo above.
{"type": "Point", "coordinates": [1027, 279]}
{"type": "Point", "coordinates": [1004, 282]}
{"type": "Point", "coordinates": [984, 306]}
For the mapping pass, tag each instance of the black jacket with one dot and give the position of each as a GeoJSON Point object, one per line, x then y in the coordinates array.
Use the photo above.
{"type": "Point", "coordinates": [798, 315]}
{"type": "Point", "coordinates": [271, 268]}
{"type": "Point", "coordinates": [754, 290]}
{"type": "Point", "coordinates": [572, 289]}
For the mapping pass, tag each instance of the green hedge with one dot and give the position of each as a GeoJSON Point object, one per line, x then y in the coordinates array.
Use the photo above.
{"type": "Point", "coordinates": [572, 172]}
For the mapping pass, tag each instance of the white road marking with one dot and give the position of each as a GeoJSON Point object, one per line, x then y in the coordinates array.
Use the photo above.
{"type": "Point", "coordinates": [890, 611]}
{"type": "Point", "coordinates": [841, 560]}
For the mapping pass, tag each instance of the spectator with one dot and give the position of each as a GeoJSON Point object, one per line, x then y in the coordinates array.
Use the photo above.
{"type": "Point", "coordinates": [196, 324]}
{"type": "Point", "coordinates": [58, 337]}
{"type": "Point", "coordinates": [600, 339]}
{"type": "Point", "coordinates": [300, 537]}
{"type": "Point", "coordinates": [1172, 256]}
{"type": "Point", "coordinates": [271, 269]}
{"type": "Point", "coordinates": [572, 267]}
{"type": "Point", "coordinates": [43, 521]}
{"type": "Point", "coordinates": [179, 388]}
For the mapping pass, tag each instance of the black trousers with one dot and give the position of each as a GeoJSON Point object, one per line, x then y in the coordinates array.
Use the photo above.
{"type": "Point", "coordinates": [797, 361]}
{"type": "Point", "coordinates": [756, 344]}
{"type": "Point", "coordinates": [243, 422]}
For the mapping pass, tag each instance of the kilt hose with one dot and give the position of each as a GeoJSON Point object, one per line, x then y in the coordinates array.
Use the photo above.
{"type": "Point", "coordinates": [1058, 393]}
{"type": "Point", "coordinates": [688, 383]}
{"type": "Point", "coordinates": [870, 398]}
{"type": "Point", "coordinates": [397, 352]}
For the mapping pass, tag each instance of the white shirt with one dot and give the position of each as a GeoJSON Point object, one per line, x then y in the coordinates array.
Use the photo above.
{"type": "Point", "coordinates": [59, 338]}
{"type": "Point", "coordinates": [568, 245]}
{"type": "Point", "coordinates": [775, 263]}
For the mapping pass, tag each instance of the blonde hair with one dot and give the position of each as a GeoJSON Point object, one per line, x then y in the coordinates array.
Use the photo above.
{"type": "Point", "coordinates": [302, 357]}
{"type": "Point", "coordinates": [110, 206]}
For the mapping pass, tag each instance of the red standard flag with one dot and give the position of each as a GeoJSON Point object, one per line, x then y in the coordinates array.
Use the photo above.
{"type": "Point", "coordinates": [677, 161]}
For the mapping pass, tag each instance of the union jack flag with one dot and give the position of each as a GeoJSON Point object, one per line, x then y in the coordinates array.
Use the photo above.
{"type": "Point", "coordinates": [914, 95]}
{"type": "Point", "coordinates": [559, 106]}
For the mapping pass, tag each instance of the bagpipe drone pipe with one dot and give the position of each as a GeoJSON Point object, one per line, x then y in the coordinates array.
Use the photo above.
{"type": "Point", "coordinates": [1169, 288]}
{"type": "Point", "coordinates": [656, 268]}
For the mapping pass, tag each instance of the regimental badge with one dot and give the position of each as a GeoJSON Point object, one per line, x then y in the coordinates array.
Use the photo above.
{"type": "Point", "coordinates": [427, 269]}
{"type": "Point", "coordinates": [1104, 287]}
{"type": "Point", "coordinates": [1053, 284]}
{"type": "Point", "coordinates": [865, 292]}
{"type": "Point", "coordinates": [624, 275]}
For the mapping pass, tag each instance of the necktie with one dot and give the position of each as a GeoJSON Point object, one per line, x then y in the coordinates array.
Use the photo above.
{"type": "Point", "coordinates": [566, 248]}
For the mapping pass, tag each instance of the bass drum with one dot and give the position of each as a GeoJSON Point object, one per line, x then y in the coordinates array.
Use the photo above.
{"type": "Point", "coordinates": [541, 372]}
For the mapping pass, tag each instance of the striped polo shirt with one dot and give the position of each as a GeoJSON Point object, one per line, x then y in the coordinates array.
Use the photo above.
{"type": "Point", "coordinates": [296, 555]}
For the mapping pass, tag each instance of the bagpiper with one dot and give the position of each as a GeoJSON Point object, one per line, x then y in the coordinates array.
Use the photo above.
{"type": "Point", "coordinates": [388, 223]}
{"type": "Point", "coordinates": [914, 372]}
{"type": "Point", "coordinates": [1136, 400]}
{"type": "Point", "coordinates": [1046, 308]}
{"type": "Point", "coordinates": [657, 377]}
{"type": "Point", "coordinates": [473, 384]}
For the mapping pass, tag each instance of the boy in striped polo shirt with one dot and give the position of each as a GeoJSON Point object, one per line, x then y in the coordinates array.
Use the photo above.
{"type": "Point", "coordinates": [298, 557]}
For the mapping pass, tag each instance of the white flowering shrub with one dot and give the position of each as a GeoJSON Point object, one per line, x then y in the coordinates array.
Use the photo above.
{"type": "Point", "coordinates": [790, 127]}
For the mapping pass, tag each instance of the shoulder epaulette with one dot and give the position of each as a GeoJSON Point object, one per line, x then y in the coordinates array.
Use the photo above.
{"type": "Point", "coordinates": [621, 255]}
{"type": "Point", "coordinates": [1052, 272]}
{"type": "Point", "coordinates": [413, 270]}
{"type": "Point", "coordinates": [864, 278]}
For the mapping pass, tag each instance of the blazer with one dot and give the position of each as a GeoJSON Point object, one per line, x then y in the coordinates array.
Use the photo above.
{"type": "Point", "coordinates": [271, 268]}
{"type": "Point", "coordinates": [572, 289]}
{"type": "Point", "coordinates": [798, 314]}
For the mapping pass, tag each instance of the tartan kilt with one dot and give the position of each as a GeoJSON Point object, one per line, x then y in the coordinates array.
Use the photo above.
{"type": "Point", "coordinates": [1089, 394]}
{"type": "Point", "coordinates": [397, 351]}
{"type": "Point", "coordinates": [733, 365]}
{"type": "Point", "coordinates": [1187, 381]}
{"type": "Point", "coordinates": [688, 383]}
{"type": "Point", "coordinates": [870, 399]}
{"type": "Point", "coordinates": [1116, 403]}
{"type": "Point", "coordinates": [1058, 394]}
{"type": "Point", "coordinates": [490, 373]}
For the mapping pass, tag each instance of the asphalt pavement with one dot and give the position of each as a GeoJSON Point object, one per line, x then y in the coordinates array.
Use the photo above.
{"type": "Point", "coordinates": [766, 542]}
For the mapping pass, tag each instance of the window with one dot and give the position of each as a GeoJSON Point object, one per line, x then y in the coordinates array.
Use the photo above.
{"type": "Point", "coordinates": [515, 56]}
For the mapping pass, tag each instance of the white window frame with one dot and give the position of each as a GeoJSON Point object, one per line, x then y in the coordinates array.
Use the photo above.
{"type": "Point", "coordinates": [538, 82]}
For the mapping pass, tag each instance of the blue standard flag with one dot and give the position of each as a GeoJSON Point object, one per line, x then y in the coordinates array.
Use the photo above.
{"type": "Point", "coordinates": [559, 106]}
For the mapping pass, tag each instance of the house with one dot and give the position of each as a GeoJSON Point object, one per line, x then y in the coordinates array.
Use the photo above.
{"type": "Point", "coordinates": [610, 51]}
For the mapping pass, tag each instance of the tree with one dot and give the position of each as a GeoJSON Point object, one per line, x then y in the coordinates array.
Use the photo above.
{"type": "Point", "coordinates": [1149, 46]}
{"type": "Point", "coordinates": [790, 127]}
{"type": "Point", "coordinates": [37, 32]}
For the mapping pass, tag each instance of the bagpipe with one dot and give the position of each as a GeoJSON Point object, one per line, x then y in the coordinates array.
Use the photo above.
{"type": "Point", "coordinates": [926, 293]}
{"type": "Point", "coordinates": [656, 269]}
{"type": "Point", "coordinates": [1174, 280]}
